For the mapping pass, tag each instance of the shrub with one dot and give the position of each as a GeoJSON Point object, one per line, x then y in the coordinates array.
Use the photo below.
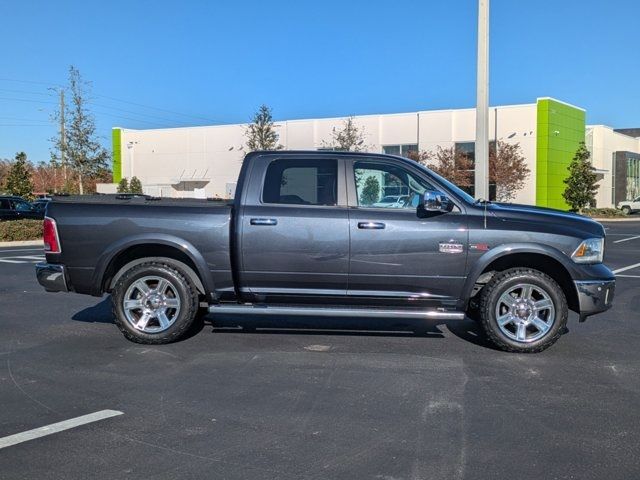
{"type": "Point", "coordinates": [135, 186]}
{"type": "Point", "coordinates": [14, 230]}
{"type": "Point", "coordinates": [603, 212]}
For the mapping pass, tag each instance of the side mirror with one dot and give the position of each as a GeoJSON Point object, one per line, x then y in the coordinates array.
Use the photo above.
{"type": "Point", "coordinates": [434, 201]}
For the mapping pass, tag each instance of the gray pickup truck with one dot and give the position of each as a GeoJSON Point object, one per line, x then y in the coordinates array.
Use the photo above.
{"type": "Point", "coordinates": [304, 236]}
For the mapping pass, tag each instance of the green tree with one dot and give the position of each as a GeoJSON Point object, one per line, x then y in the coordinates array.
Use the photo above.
{"type": "Point", "coordinates": [349, 138]}
{"type": "Point", "coordinates": [86, 156]}
{"type": "Point", "coordinates": [260, 133]}
{"type": "Point", "coordinates": [135, 186]}
{"type": "Point", "coordinates": [371, 191]}
{"type": "Point", "coordinates": [123, 185]}
{"type": "Point", "coordinates": [19, 177]}
{"type": "Point", "coordinates": [581, 188]}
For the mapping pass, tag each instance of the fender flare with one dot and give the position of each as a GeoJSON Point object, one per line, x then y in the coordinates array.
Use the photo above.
{"type": "Point", "coordinates": [511, 249]}
{"type": "Point", "coordinates": [179, 244]}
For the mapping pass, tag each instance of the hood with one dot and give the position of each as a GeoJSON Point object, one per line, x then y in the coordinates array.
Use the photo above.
{"type": "Point", "coordinates": [530, 214]}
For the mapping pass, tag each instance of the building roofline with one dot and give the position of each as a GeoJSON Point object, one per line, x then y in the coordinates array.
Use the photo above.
{"type": "Point", "coordinates": [560, 101]}
{"type": "Point", "coordinates": [278, 123]}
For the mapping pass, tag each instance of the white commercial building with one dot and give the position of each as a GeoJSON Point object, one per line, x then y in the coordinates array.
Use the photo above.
{"type": "Point", "coordinates": [205, 161]}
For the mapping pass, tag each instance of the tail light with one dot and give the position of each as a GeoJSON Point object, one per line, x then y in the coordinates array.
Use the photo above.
{"type": "Point", "coordinates": [50, 234]}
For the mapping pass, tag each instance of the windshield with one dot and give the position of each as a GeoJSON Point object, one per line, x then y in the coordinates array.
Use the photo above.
{"type": "Point", "coordinates": [454, 188]}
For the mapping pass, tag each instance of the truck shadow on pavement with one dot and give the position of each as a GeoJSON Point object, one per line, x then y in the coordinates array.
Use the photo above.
{"type": "Point", "coordinates": [465, 329]}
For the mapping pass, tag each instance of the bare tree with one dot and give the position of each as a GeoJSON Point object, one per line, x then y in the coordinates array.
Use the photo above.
{"type": "Point", "coordinates": [86, 156]}
{"type": "Point", "coordinates": [508, 170]}
{"type": "Point", "coordinates": [452, 164]}
{"type": "Point", "coordinates": [5, 166]}
{"type": "Point", "coordinates": [349, 138]}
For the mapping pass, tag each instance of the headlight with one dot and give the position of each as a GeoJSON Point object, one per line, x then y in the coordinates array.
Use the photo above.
{"type": "Point", "coordinates": [589, 251]}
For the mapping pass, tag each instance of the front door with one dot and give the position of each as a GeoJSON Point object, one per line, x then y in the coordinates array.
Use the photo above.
{"type": "Point", "coordinates": [395, 254]}
{"type": "Point", "coordinates": [295, 231]}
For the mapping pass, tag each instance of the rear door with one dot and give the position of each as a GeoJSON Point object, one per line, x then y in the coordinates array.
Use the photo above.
{"type": "Point", "coordinates": [395, 254]}
{"type": "Point", "coordinates": [294, 228]}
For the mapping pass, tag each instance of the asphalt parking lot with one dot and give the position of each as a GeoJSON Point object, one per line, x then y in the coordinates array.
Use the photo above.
{"type": "Point", "coordinates": [258, 398]}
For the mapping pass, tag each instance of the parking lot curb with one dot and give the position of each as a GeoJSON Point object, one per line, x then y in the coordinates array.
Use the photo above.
{"type": "Point", "coordinates": [616, 219]}
{"type": "Point", "coordinates": [23, 243]}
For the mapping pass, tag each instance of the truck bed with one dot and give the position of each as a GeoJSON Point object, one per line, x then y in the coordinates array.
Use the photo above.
{"type": "Point", "coordinates": [93, 228]}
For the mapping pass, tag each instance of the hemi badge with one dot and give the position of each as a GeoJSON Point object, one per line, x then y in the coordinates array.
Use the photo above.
{"type": "Point", "coordinates": [479, 246]}
{"type": "Point", "coordinates": [451, 247]}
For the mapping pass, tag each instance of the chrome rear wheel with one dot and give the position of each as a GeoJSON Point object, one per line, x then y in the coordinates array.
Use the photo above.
{"type": "Point", "coordinates": [151, 304]}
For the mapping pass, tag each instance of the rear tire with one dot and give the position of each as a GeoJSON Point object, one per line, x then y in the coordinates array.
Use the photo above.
{"type": "Point", "coordinates": [523, 310]}
{"type": "Point", "coordinates": [154, 303]}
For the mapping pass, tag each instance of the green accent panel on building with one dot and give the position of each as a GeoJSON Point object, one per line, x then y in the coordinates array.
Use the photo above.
{"type": "Point", "coordinates": [560, 129]}
{"type": "Point", "coordinates": [116, 154]}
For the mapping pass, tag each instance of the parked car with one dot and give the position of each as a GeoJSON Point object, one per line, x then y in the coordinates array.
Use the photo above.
{"type": "Point", "coordinates": [392, 201]}
{"type": "Point", "coordinates": [296, 240]}
{"type": "Point", "coordinates": [17, 208]}
{"type": "Point", "coordinates": [629, 206]}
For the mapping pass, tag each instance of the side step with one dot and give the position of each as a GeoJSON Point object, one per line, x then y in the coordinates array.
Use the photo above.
{"type": "Point", "coordinates": [335, 312]}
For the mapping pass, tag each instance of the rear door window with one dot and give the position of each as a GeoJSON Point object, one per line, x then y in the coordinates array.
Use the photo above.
{"type": "Point", "coordinates": [301, 182]}
{"type": "Point", "coordinates": [22, 206]}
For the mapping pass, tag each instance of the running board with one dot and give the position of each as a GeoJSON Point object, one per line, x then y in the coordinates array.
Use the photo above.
{"type": "Point", "coordinates": [336, 312]}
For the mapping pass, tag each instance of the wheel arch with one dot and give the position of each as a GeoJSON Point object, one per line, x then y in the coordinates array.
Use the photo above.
{"type": "Point", "coordinates": [546, 260]}
{"type": "Point", "coordinates": [132, 251]}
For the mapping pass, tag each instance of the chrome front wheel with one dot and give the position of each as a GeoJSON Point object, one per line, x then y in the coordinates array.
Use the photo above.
{"type": "Point", "coordinates": [525, 313]}
{"type": "Point", "coordinates": [523, 310]}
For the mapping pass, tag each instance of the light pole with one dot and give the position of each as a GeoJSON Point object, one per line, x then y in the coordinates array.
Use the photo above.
{"type": "Point", "coordinates": [130, 146]}
{"type": "Point", "coordinates": [482, 104]}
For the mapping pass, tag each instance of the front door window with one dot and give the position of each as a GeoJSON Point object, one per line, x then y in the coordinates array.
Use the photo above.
{"type": "Point", "coordinates": [387, 186]}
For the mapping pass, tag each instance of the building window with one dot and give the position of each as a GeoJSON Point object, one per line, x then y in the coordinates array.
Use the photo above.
{"type": "Point", "coordinates": [301, 182]}
{"type": "Point", "coordinates": [401, 150]}
{"type": "Point", "coordinates": [633, 176]}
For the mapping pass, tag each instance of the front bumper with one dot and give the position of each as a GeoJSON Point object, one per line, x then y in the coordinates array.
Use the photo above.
{"type": "Point", "coordinates": [594, 296]}
{"type": "Point", "coordinates": [52, 277]}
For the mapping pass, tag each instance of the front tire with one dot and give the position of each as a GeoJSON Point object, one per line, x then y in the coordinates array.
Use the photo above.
{"type": "Point", "coordinates": [523, 310]}
{"type": "Point", "coordinates": [154, 303]}
{"type": "Point", "coordinates": [626, 210]}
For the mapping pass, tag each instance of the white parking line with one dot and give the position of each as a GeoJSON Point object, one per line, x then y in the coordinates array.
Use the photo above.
{"type": "Point", "coordinates": [56, 427]}
{"type": "Point", "coordinates": [627, 239]}
{"type": "Point", "coordinates": [624, 269]}
{"type": "Point", "coordinates": [628, 276]}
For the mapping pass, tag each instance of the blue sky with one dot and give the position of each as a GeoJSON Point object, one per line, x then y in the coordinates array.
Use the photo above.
{"type": "Point", "coordinates": [204, 62]}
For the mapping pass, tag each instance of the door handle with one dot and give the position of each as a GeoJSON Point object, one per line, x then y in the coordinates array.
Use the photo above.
{"type": "Point", "coordinates": [371, 225]}
{"type": "Point", "coordinates": [263, 221]}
